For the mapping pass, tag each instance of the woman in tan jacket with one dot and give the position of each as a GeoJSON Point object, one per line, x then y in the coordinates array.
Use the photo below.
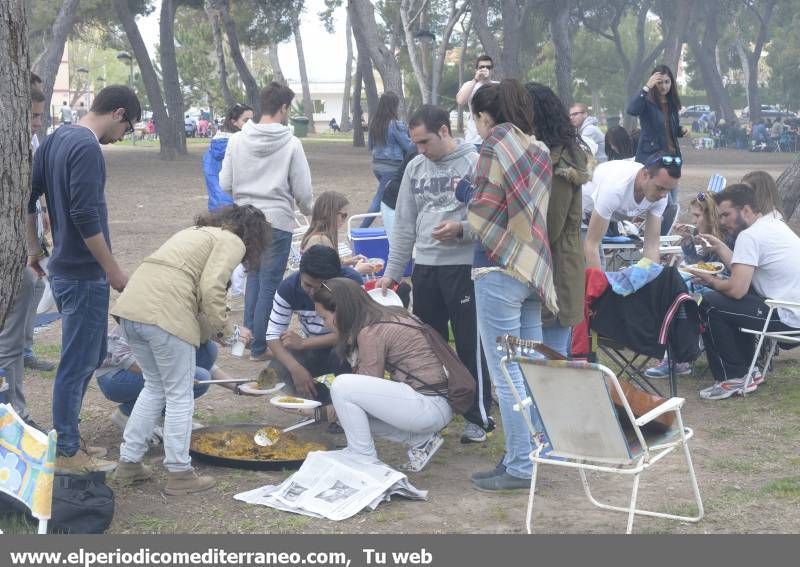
{"type": "Point", "coordinates": [174, 302]}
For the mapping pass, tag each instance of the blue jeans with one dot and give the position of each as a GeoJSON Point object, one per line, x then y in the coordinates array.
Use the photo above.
{"type": "Point", "coordinates": [506, 305]}
{"type": "Point", "coordinates": [83, 305]}
{"type": "Point", "coordinates": [557, 338]}
{"type": "Point", "coordinates": [388, 219]}
{"type": "Point", "coordinates": [383, 177]}
{"type": "Point", "coordinates": [261, 286]}
{"type": "Point", "coordinates": [124, 386]}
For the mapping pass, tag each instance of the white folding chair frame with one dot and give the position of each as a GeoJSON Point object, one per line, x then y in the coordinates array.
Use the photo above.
{"type": "Point", "coordinates": [352, 218]}
{"type": "Point", "coordinates": [774, 336]}
{"type": "Point", "coordinates": [650, 454]}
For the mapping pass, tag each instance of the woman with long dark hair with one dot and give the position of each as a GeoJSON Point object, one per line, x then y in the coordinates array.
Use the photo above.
{"type": "Point", "coordinates": [513, 268]}
{"type": "Point", "coordinates": [175, 301]}
{"type": "Point", "coordinates": [235, 118]}
{"type": "Point", "coordinates": [658, 105]}
{"type": "Point", "coordinates": [410, 407]}
{"type": "Point", "coordinates": [571, 169]}
{"type": "Point", "coordinates": [389, 141]}
{"type": "Point", "coordinates": [619, 144]}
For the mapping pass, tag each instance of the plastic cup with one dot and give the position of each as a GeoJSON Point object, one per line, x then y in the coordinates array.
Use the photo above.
{"type": "Point", "coordinates": [237, 349]}
{"type": "Point", "coordinates": [376, 263]}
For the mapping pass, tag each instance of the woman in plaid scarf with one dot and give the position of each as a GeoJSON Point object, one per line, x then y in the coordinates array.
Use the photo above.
{"type": "Point", "coordinates": [512, 268]}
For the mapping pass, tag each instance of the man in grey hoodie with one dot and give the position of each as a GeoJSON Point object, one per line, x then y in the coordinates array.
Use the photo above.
{"type": "Point", "coordinates": [587, 128]}
{"type": "Point", "coordinates": [265, 166]}
{"type": "Point", "coordinates": [429, 215]}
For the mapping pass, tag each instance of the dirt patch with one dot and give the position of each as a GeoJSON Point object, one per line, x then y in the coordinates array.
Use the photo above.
{"type": "Point", "coordinates": [745, 450]}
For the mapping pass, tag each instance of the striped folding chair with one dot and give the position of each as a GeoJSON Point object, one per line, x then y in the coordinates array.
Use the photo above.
{"type": "Point", "coordinates": [716, 183]}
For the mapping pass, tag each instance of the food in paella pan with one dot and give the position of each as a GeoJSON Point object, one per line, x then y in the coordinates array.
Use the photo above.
{"type": "Point", "coordinates": [240, 445]}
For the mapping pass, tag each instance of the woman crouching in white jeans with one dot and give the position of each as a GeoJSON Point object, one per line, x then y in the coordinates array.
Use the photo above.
{"type": "Point", "coordinates": [174, 290]}
{"type": "Point", "coordinates": [410, 406]}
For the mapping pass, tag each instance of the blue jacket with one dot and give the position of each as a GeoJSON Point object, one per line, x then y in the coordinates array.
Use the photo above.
{"type": "Point", "coordinates": [653, 136]}
{"type": "Point", "coordinates": [398, 143]}
{"type": "Point", "coordinates": [212, 164]}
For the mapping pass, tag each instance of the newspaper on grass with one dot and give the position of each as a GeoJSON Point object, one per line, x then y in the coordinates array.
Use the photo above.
{"type": "Point", "coordinates": [334, 485]}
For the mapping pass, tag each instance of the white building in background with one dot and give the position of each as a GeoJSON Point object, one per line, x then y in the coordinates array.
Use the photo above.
{"type": "Point", "coordinates": [327, 99]}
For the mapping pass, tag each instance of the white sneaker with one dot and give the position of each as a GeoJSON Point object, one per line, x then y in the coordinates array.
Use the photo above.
{"type": "Point", "coordinates": [119, 419]}
{"type": "Point", "coordinates": [418, 457]}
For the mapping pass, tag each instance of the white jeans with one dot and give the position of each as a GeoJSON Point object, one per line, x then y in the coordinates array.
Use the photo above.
{"type": "Point", "coordinates": [366, 405]}
{"type": "Point", "coordinates": [168, 366]}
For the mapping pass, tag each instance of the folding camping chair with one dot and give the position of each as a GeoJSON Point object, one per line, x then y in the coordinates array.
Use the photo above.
{"type": "Point", "coordinates": [28, 460]}
{"type": "Point", "coordinates": [591, 427]}
{"type": "Point", "coordinates": [615, 339]}
{"type": "Point", "coordinates": [772, 338]}
{"type": "Point", "coordinates": [716, 183]}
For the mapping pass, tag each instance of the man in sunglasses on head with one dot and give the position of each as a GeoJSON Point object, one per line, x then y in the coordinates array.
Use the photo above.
{"type": "Point", "coordinates": [623, 190]}
{"type": "Point", "coordinates": [588, 130]}
{"type": "Point", "coordinates": [69, 170]}
{"type": "Point", "coordinates": [483, 76]}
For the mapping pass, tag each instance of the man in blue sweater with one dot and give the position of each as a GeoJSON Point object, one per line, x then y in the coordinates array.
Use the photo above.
{"type": "Point", "coordinates": [69, 170]}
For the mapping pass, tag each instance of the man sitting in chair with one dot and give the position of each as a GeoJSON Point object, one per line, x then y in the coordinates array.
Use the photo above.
{"type": "Point", "coordinates": [622, 190]}
{"type": "Point", "coordinates": [763, 264]}
{"type": "Point", "coordinates": [298, 359]}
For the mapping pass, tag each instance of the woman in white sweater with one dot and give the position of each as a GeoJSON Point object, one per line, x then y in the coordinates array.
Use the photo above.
{"type": "Point", "coordinates": [265, 166]}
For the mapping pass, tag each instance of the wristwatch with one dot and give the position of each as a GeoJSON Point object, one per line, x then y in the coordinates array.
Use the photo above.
{"type": "Point", "coordinates": [646, 89]}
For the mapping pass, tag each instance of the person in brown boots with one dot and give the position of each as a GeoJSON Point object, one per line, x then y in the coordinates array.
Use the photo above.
{"type": "Point", "coordinates": [174, 302]}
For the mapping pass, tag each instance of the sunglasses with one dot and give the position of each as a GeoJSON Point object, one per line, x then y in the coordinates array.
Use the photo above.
{"type": "Point", "coordinates": [325, 285]}
{"type": "Point", "coordinates": [489, 67]}
{"type": "Point", "coordinates": [674, 161]}
{"type": "Point", "coordinates": [129, 129]}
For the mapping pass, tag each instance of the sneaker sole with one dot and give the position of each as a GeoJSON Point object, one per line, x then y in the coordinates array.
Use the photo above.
{"type": "Point", "coordinates": [501, 490]}
{"type": "Point", "coordinates": [185, 492]}
{"type": "Point", "coordinates": [465, 440]}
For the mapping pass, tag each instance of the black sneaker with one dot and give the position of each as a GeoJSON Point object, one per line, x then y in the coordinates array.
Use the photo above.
{"type": "Point", "coordinates": [29, 421]}
{"type": "Point", "coordinates": [35, 363]}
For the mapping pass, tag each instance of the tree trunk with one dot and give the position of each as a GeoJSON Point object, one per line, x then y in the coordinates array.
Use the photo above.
{"type": "Point", "coordinates": [216, 29]}
{"type": "Point", "coordinates": [505, 54]}
{"type": "Point", "coordinates": [166, 135]}
{"type": "Point", "coordinates": [47, 66]}
{"type": "Point", "coordinates": [275, 63]}
{"type": "Point", "coordinates": [461, 56]}
{"type": "Point", "coordinates": [789, 188]}
{"type": "Point", "coordinates": [679, 22]}
{"type": "Point", "coordinates": [358, 131]}
{"type": "Point", "coordinates": [365, 30]}
{"type": "Point", "coordinates": [250, 85]}
{"type": "Point", "coordinates": [417, 64]}
{"type": "Point", "coordinates": [344, 123]}
{"type": "Point", "coordinates": [308, 104]}
{"type": "Point", "coordinates": [15, 139]}
{"type": "Point", "coordinates": [169, 74]}
{"type": "Point", "coordinates": [750, 59]}
{"type": "Point", "coordinates": [559, 29]}
{"type": "Point", "coordinates": [454, 14]}
{"type": "Point", "coordinates": [704, 48]}
{"type": "Point", "coordinates": [370, 88]}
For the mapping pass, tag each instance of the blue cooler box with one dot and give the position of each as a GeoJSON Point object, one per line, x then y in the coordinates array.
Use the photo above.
{"type": "Point", "coordinates": [373, 243]}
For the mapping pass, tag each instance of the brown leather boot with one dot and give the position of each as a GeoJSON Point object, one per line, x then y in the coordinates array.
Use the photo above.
{"type": "Point", "coordinates": [187, 482]}
{"type": "Point", "coordinates": [128, 473]}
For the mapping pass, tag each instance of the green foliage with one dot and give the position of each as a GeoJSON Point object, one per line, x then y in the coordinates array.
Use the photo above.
{"type": "Point", "coordinates": [783, 56]}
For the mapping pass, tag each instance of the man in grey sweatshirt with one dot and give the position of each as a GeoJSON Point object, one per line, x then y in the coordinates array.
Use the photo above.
{"type": "Point", "coordinates": [265, 166]}
{"type": "Point", "coordinates": [429, 215]}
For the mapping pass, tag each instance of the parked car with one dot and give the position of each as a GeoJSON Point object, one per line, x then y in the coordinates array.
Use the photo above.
{"type": "Point", "coordinates": [769, 111]}
{"type": "Point", "coordinates": [694, 111]}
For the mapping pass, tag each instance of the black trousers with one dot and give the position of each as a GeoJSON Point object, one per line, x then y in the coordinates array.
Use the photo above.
{"type": "Point", "coordinates": [318, 362]}
{"type": "Point", "coordinates": [729, 351]}
{"type": "Point", "coordinates": [445, 294]}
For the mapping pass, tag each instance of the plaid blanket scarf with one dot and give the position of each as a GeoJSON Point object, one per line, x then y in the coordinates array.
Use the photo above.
{"type": "Point", "coordinates": [509, 209]}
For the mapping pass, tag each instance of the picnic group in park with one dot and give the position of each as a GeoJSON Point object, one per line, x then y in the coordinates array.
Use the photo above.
{"type": "Point", "coordinates": [502, 226]}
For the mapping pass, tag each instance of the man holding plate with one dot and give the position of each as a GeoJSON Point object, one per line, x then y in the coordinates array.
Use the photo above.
{"type": "Point", "coordinates": [763, 264]}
